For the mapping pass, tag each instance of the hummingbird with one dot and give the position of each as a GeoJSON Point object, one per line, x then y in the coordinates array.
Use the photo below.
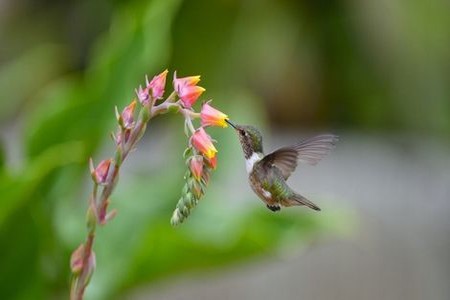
{"type": "Point", "coordinates": [268, 173]}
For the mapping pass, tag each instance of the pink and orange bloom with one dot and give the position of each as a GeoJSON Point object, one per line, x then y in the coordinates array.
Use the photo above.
{"type": "Point", "coordinates": [157, 85]}
{"type": "Point", "coordinates": [212, 117]}
{"type": "Point", "coordinates": [127, 116]}
{"type": "Point", "coordinates": [203, 143]}
{"type": "Point", "coordinates": [196, 166]}
{"type": "Point", "coordinates": [100, 173]}
{"type": "Point", "coordinates": [187, 89]}
{"type": "Point", "coordinates": [153, 89]}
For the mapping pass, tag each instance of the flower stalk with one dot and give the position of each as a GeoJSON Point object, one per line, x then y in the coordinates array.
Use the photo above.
{"type": "Point", "coordinates": [200, 160]}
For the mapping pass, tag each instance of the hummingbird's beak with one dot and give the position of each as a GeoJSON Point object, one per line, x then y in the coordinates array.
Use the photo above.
{"type": "Point", "coordinates": [231, 124]}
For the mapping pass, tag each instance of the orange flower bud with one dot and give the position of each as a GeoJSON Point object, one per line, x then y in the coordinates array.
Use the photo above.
{"type": "Point", "coordinates": [202, 142]}
{"type": "Point", "coordinates": [76, 260]}
{"type": "Point", "coordinates": [157, 85]}
{"type": "Point", "coordinates": [127, 115]}
{"type": "Point", "coordinates": [196, 166]}
{"type": "Point", "coordinates": [212, 117]}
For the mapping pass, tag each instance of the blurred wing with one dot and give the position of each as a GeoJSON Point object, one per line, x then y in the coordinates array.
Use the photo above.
{"type": "Point", "coordinates": [312, 150]}
{"type": "Point", "coordinates": [309, 151]}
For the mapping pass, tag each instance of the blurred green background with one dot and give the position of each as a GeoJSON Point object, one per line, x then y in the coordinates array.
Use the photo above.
{"type": "Point", "coordinates": [375, 72]}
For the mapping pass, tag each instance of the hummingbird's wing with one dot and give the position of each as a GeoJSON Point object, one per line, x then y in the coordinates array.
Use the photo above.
{"type": "Point", "coordinates": [309, 151]}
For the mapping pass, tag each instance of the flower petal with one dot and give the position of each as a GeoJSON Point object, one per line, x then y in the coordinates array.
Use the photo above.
{"type": "Point", "coordinates": [187, 89]}
{"type": "Point", "coordinates": [202, 142]}
{"type": "Point", "coordinates": [158, 84]}
{"type": "Point", "coordinates": [212, 117]}
{"type": "Point", "coordinates": [196, 166]}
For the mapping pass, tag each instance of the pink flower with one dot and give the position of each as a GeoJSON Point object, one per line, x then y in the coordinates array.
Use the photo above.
{"type": "Point", "coordinates": [157, 85]}
{"type": "Point", "coordinates": [142, 95]}
{"type": "Point", "coordinates": [190, 80]}
{"type": "Point", "coordinates": [187, 89]}
{"type": "Point", "coordinates": [127, 115]}
{"type": "Point", "coordinates": [202, 142]}
{"type": "Point", "coordinates": [212, 117]}
{"type": "Point", "coordinates": [121, 136]}
{"type": "Point", "coordinates": [100, 174]}
{"type": "Point", "coordinates": [196, 166]}
{"type": "Point", "coordinates": [76, 260]}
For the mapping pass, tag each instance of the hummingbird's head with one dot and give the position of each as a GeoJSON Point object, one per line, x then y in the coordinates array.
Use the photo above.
{"type": "Point", "coordinates": [250, 138]}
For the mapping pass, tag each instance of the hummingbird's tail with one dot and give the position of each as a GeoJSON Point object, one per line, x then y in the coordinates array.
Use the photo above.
{"type": "Point", "coordinates": [300, 200]}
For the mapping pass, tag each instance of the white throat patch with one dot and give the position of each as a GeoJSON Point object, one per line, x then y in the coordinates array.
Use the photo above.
{"type": "Point", "coordinates": [250, 162]}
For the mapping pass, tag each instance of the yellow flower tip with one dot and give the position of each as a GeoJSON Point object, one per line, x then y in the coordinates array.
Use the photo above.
{"type": "Point", "coordinates": [210, 153]}
{"type": "Point", "coordinates": [157, 85]}
{"type": "Point", "coordinates": [192, 80]}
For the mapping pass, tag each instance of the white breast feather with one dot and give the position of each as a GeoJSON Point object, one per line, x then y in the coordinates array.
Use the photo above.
{"type": "Point", "coordinates": [250, 162]}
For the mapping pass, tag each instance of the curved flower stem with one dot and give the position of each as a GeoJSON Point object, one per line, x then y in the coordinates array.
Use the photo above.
{"type": "Point", "coordinates": [188, 120]}
{"type": "Point", "coordinates": [98, 202]}
{"type": "Point", "coordinates": [131, 130]}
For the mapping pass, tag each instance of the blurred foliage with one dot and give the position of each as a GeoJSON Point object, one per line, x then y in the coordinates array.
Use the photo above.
{"type": "Point", "coordinates": [377, 65]}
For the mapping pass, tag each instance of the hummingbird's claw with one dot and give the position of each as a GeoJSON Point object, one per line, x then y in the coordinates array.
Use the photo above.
{"type": "Point", "coordinates": [231, 124]}
{"type": "Point", "coordinates": [273, 208]}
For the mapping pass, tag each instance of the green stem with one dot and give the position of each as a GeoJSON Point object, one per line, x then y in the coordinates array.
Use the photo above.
{"type": "Point", "coordinates": [100, 202]}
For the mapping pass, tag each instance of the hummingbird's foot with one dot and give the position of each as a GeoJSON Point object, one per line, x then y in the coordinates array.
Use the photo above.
{"type": "Point", "coordinates": [274, 208]}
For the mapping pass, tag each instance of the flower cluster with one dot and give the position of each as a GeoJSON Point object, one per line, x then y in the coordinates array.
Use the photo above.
{"type": "Point", "coordinates": [201, 158]}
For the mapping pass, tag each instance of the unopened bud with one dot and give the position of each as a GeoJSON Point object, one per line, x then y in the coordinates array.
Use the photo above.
{"type": "Point", "coordinates": [197, 190]}
{"type": "Point", "coordinates": [196, 166]}
{"type": "Point", "coordinates": [176, 218]}
{"type": "Point", "coordinates": [126, 119]}
{"type": "Point", "coordinates": [157, 85]}
{"type": "Point", "coordinates": [100, 173]}
{"type": "Point", "coordinates": [76, 260]}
